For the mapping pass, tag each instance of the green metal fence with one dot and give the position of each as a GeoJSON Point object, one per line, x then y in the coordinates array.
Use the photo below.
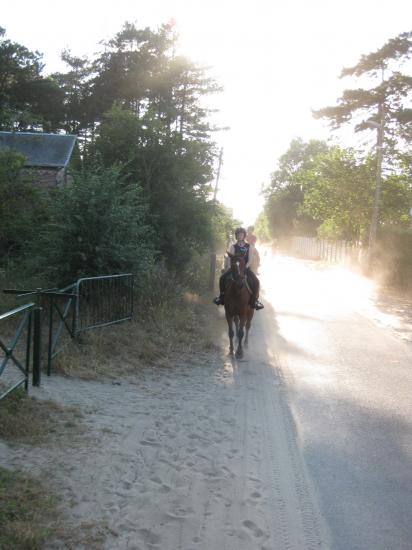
{"type": "Point", "coordinates": [89, 303]}
{"type": "Point", "coordinates": [103, 301]}
{"type": "Point", "coordinates": [62, 307]}
{"type": "Point", "coordinates": [15, 354]}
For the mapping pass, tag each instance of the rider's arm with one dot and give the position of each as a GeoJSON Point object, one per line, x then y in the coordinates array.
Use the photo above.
{"type": "Point", "coordinates": [250, 256]}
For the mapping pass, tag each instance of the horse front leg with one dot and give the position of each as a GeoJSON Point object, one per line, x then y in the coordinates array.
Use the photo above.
{"type": "Point", "coordinates": [236, 320]}
{"type": "Point", "coordinates": [248, 323]}
{"type": "Point", "coordinates": [240, 333]}
{"type": "Point", "coordinates": [229, 319]}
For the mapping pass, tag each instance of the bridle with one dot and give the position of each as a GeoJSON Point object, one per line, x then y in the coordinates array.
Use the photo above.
{"type": "Point", "coordinates": [235, 265]}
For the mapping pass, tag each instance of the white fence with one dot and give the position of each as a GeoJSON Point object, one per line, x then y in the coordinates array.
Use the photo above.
{"type": "Point", "coordinates": [342, 252]}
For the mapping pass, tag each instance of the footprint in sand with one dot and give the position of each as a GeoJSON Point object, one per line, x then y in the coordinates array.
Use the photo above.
{"type": "Point", "coordinates": [148, 536]}
{"type": "Point", "coordinates": [156, 479]}
{"type": "Point", "coordinates": [179, 514]}
{"type": "Point", "coordinates": [149, 443]}
{"type": "Point", "coordinates": [255, 530]}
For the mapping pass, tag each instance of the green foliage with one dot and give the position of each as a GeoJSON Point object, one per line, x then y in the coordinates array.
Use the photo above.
{"type": "Point", "coordinates": [77, 108]}
{"type": "Point", "coordinates": [285, 193]}
{"type": "Point", "coordinates": [341, 196]}
{"type": "Point", "coordinates": [396, 201]}
{"type": "Point", "coordinates": [98, 226]}
{"type": "Point", "coordinates": [329, 190]}
{"type": "Point", "coordinates": [22, 207]}
{"type": "Point", "coordinates": [148, 103]}
{"type": "Point", "coordinates": [222, 226]}
{"type": "Point", "coordinates": [174, 173]}
{"type": "Point", "coordinates": [139, 107]}
{"type": "Point", "coordinates": [27, 99]}
{"type": "Point", "coordinates": [262, 228]}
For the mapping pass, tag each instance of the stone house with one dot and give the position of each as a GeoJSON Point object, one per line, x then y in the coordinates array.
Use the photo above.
{"type": "Point", "coordinates": [47, 155]}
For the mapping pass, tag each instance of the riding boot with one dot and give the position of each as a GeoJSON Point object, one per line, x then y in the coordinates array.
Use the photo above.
{"type": "Point", "coordinates": [219, 300]}
{"type": "Point", "coordinates": [254, 303]}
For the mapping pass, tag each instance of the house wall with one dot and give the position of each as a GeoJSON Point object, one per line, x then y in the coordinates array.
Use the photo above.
{"type": "Point", "coordinates": [44, 178]}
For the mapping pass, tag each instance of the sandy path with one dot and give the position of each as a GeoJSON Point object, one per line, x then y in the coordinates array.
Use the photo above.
{"type": "Point", "coordinates": [191, 457]}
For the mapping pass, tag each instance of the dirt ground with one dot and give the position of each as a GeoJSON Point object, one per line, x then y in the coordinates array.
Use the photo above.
{"type": "Point", "coordinates": [194, 455]}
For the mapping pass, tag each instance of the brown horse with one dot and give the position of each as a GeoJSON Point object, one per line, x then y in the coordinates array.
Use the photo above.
{"type": "Point", "coordinates": [237, 298]}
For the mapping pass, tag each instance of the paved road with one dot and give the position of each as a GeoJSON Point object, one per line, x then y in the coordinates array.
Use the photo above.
{"type": "Point", "coordinates": [347, 369]}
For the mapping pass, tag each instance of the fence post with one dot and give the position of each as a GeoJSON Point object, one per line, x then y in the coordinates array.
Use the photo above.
{"type": "Point", "coordinates": [37, 341]}
{"type": "Point", "coordinates": [28, 346]}
{"type": "Point", "coordinates": [49, 351]}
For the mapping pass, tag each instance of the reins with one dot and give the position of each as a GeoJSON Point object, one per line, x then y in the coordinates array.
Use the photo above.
{"type": "Point", "coordinates": [239, 280]}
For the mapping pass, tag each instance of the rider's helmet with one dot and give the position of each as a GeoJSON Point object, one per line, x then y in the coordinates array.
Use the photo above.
{"type": "Point", "coordinates": [240, 230]}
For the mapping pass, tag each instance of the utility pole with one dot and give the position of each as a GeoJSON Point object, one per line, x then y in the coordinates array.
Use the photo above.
{"type": "Point", "coordinates": [213, 253]}
{"type": "Point", "coordinates": [218, 174]}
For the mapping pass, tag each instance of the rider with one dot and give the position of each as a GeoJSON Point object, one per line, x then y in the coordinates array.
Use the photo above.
{"type": "Point", "coordinates": [250, 236]}
{"type": "Point", "coordinates": [254, 258]}
{"type": "Point", "coordinates": [241, 247]}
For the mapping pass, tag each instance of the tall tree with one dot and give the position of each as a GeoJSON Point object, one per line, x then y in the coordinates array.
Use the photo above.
{"type": "Point", "coordinates": [157, 127]}
{"type": "Point", "coordinates": [340, 196]}
{"type": "Point", "coordinates": [325, 190]}
{"type": "Point", "coordinates": [385, 100]}
{"type": "Point", "coordinates": [285, 193]}
{"type": "Point", "coordinates": [78, 109]}
{"type": "Point", "coordinates": [27, 99]}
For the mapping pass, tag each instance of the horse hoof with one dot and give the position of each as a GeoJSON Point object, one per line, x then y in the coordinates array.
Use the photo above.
{"type": "Point", "coordinates": [231, 353]}
{"type": "Point", "coordinates": [239, 354]}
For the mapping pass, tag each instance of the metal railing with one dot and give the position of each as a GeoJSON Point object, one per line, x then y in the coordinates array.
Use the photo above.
{"type": "Point", "coordinates": [89, 303]}
{"type": "Point", "coordinates": [16, 367]}
{"type": "Point", "coordinates": [62, 303]}
{"type": "Point", "coordinates": [103, 301]}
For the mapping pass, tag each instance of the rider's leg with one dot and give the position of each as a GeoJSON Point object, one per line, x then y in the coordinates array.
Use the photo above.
{"type": "Point", "coordinates": [220, 300]}
{"type": "Point", "coordinates": [255, 287]}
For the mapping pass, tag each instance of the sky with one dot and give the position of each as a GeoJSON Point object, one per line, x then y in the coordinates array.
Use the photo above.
{"type": "Point", "coordinates": [276, 60]}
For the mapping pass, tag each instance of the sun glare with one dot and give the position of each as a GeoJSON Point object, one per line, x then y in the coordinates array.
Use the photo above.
{"type": "Point", "coordinates": [275, 61]}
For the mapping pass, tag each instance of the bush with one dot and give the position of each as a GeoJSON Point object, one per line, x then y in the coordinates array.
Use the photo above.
{"type": "Point", "coordinates": [22, 206]}
{"type": "Point", "coordinates": [98, 226]}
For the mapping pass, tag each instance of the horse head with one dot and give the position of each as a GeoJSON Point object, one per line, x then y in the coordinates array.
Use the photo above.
{"type": "Point", "coordinates": [238, 267]}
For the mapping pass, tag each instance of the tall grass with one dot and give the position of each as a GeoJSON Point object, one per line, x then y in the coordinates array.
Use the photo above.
{"type": "Point", "coordinates": [171, 323]}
